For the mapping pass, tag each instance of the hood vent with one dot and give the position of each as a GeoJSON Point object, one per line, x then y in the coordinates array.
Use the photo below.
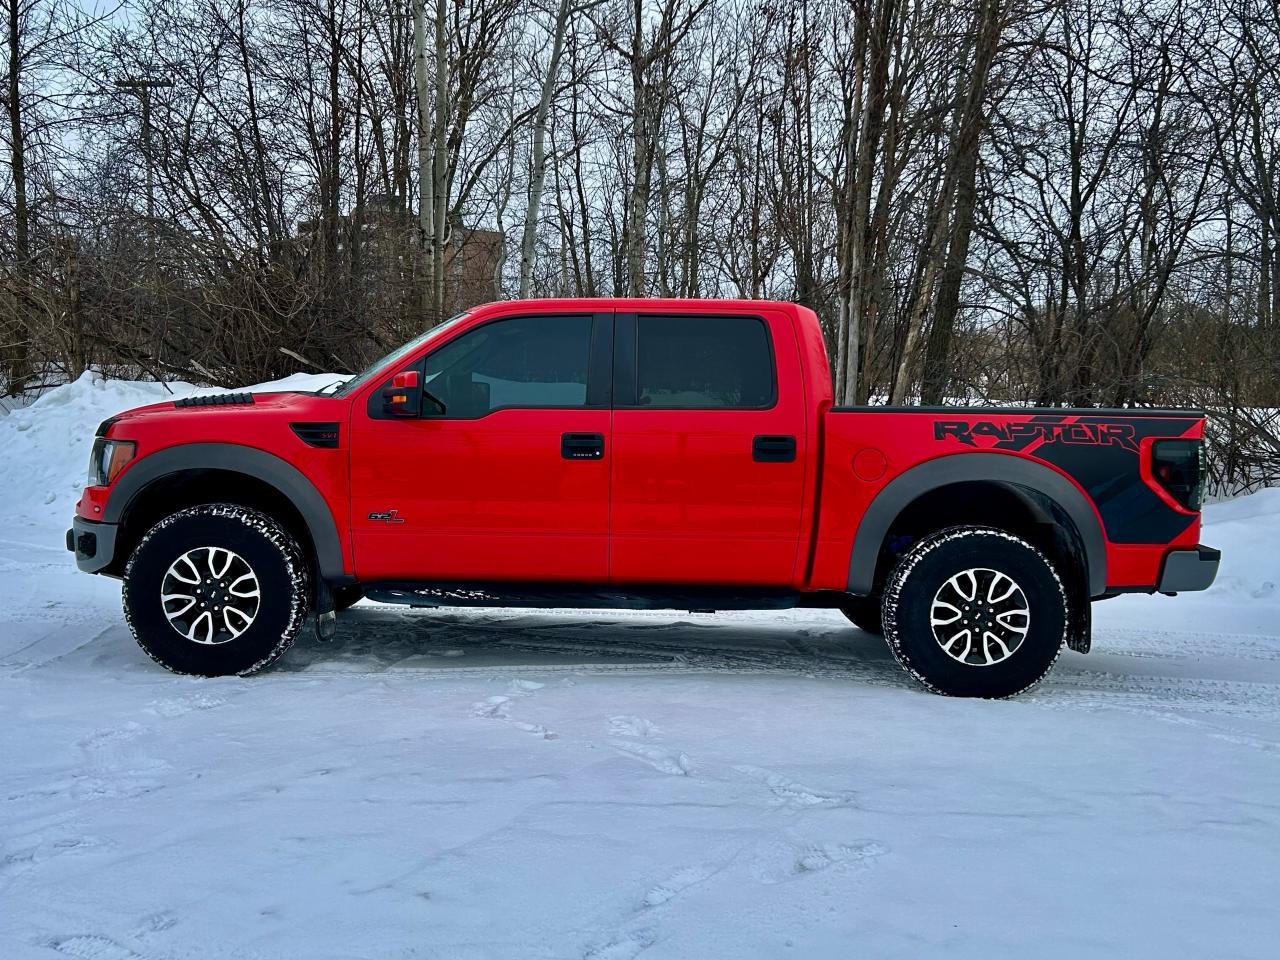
{"type": "Point", "coordinates": [322, 434]}
{"type": "Point", "coordinates": [217, 400]}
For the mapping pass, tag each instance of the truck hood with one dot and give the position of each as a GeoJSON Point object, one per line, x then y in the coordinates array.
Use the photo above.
{"type": "Point", "coordinates": [189, 412]}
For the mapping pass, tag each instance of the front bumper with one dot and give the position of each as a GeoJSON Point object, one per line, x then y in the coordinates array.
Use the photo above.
{"type": "Point", "coordinates": [93, 543]}
{"type": "Point", "coordinates": [1189, 569]}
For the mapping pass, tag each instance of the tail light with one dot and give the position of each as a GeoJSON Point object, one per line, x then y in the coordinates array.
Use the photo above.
{"type": "Point", "coordinates": [1178, 466]}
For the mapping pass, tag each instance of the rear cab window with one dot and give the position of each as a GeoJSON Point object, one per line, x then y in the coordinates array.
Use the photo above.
{"type": "Point", "coordinates": [704, 362]}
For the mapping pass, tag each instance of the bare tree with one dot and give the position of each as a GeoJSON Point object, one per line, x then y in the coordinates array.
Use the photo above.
{"type": "Point", "coordinates": [1065, 201]}
{"type": "Point", "coordinates": [561, 24]}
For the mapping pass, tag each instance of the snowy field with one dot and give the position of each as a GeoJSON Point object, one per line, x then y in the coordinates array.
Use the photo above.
{"type": "Point", "coordinates": [496, 784]}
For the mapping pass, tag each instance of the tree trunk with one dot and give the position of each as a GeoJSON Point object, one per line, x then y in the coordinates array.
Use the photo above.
{"type": "Point", "coordinates": [426, 178]}
{"type": "Point", "coordinates": [638, 207]}
{"type": "Point", "coordinates": [938, 348]}
{"type": "Point", "coordinates": [332, 176]}
{"type": "Point", "coordinates": [262, 201]}
{"type": "Point", "coordinates": [931, 256]}
{"type": "Point", "coordinates": [439, 167]}
{"type": "Point", "coordinates": [855, 388]}
{"type": "Point", "coordinates": [538, 173]}
{"type": "Point", "coordinates": [14, 355]}
{"type": "Point", "coordinates": [969, 144]}
{"type": "Point", "coordinates": [1264, 277]}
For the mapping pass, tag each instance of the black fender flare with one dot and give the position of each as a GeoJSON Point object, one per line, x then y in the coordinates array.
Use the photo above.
{"type": "Point", "coordinates": [904, 489]}
{"type": "Point", "coordinates": [267, 467]}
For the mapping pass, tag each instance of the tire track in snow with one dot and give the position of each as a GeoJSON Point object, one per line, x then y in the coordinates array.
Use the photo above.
{"type": "Point", "coordinates": [1087, 689]}
{"type": "Point", "coordinates": [19, 667]}
{"type": "Point", "coordinates": [93, 947]}
{"type": "Point", "coordinates": [1132, 642]}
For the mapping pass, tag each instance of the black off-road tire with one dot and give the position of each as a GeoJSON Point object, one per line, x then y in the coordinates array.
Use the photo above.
{"type": "Point", "coordinates": [917, 594]}
{"type": "Point", "coordinates": [282, 580]}
{"type": "Point", "coordinates": [865, 614]}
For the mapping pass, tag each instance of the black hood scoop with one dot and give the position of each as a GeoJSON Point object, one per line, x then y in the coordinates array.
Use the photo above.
{"type": "Point", "coordinates": [217, 400]}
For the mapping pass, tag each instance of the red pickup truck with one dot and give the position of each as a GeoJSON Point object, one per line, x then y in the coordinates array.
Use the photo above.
{"type": "Point", "coordinates": [644, 454]}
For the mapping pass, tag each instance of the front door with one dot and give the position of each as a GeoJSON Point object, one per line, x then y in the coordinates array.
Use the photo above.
{"type": "Point", "coordinates": [708, 449]}
{"type": "Point", "coordinates": [511, 481]}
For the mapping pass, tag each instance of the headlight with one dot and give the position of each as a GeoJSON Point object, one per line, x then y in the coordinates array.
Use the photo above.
{"type": "Point", "coordinates": [108, 459]}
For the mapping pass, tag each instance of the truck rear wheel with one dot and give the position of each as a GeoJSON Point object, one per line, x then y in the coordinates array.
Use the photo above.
{"type": "Point", "coordinates": [975, 612]}
{"type": "Point", "coordinates": [216, 590]}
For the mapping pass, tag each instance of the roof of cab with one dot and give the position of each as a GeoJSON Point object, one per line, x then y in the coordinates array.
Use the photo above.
{"type": "Point", "coordinates": [630, 303]}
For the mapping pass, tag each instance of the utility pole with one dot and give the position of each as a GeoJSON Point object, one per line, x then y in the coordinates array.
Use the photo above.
{"type": "Point", "coordinates": [142, 87]}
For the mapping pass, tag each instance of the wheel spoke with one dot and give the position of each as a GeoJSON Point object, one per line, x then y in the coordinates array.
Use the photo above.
{"type": "Point", "coordinates": [187, 562]}
{"type": "Point", "coordinates": [249, 590]}
{"type": "Point", "coordinates": [995, 582]}
{"type": "Point", "coordinates": [1020, 628]}
{"type": "Point", "coordinates": [167, 597]}
{"type": "Point", "coordinates": [966, 634]}
{"type": "Point", "coordinates": [244, 618]}
{"type": "Point", "coordinates": [955, 613]}
{"type": "Point", "coordinates": [219, 571]}
{"type": "Point", "coordinates": [207, 619]}
{"type": "Point", "coordinates": [988, 639]}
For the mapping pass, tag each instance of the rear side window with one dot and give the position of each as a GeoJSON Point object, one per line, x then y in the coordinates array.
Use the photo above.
{"type": "Point", "coordinates": [703, 363]}
{"type": "Point", "coordinates": [522, 362]}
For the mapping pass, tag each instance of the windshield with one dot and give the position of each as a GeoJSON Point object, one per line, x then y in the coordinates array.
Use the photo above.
{"type": "Point", "coordinates": [399, 353]}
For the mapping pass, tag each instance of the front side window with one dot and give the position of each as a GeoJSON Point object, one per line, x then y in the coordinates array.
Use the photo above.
{"type": "Point", "coordinates": [521, 362]}
{"type": "Point", "coordinates": [703, 362]}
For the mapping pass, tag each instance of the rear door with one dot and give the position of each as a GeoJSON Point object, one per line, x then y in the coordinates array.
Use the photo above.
{"type": "Point", "coordinates": [708, 460]}
{"type": "Point", "coordinates": [511, 482]}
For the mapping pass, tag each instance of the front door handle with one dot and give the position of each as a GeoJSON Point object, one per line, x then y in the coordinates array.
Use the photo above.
{"type": "Point", "coordinates": [773, 449]}
{"type": "Point", "coordinates": [582, 446]}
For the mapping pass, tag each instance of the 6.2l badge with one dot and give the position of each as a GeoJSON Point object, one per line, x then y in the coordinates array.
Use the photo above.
{"type": "Point", "coordinates": [387, 516]}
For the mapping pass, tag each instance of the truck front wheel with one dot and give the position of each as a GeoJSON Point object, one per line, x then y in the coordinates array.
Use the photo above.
{"type": "Point", "coordinates": [215, 590]}
{"type": "Point", "coordinates": [975, 612]}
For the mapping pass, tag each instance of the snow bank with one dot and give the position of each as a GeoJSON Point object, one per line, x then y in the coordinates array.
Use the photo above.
{"type": "Point", "coordinates": [1247, 531]}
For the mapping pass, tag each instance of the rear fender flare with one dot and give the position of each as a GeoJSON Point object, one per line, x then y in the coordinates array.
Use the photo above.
{"type": "Point", "coordinates": [971, 467]}
{"type": "Point", "coordinates": [286, 478]}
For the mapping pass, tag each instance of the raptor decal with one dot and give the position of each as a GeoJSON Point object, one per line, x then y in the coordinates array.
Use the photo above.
{"type": "Point", "coordinates": [1017, 436]}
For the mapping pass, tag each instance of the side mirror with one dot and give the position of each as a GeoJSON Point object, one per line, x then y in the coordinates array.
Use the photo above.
{"type": "Point", "coordinates": [404, 397]}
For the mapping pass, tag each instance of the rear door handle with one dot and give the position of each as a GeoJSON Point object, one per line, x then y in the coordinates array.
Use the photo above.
{"type": "Point", "coordinates": [773, 449]}
{"type": "Point", "coordinates": [582, 446]}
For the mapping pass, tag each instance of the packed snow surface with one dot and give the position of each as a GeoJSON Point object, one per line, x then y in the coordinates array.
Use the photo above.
{"type": "Point", "coordinates": [493, 784]}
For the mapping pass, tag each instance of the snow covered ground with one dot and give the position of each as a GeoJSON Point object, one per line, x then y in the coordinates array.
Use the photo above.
{"type": "Point", "coordinates": [497, 784]}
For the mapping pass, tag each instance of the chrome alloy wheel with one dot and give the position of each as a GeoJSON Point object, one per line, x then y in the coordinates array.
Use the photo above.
{"type": "Point", "coordinates": [210, 595]}
{"type": "Point", "coordinates": [980, 617]}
